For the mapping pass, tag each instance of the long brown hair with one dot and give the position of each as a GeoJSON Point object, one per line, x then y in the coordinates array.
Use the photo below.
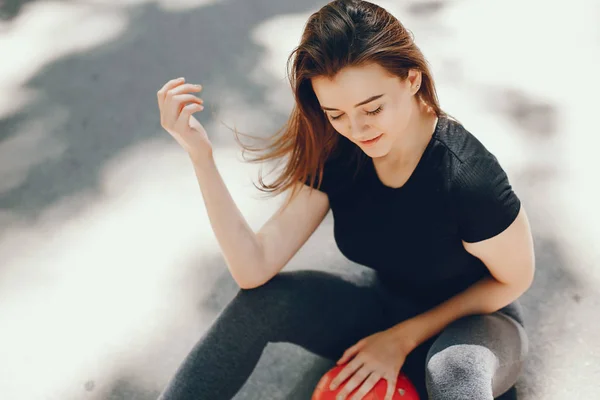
{"type": "Point", "coordinates": [341, 34]}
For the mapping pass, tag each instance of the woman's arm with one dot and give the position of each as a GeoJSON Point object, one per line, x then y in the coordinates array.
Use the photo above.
{"type": "Point", "coordinates": [254, 258]}
{"type": "Point", "coordinates": [509, 256]}
{"type": "Point", "coordinates": [251, 258]}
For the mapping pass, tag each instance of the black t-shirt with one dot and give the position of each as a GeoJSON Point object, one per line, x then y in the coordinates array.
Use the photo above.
{"type": "Point", "coordinates": [412, 235]}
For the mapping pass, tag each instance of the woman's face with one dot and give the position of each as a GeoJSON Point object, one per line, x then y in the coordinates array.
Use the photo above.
{"type": "Point", "coordinates": [368, 106]}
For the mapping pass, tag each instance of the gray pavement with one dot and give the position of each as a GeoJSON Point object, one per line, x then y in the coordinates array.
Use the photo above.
{"type": "Point", "coordinates": [109, 271]}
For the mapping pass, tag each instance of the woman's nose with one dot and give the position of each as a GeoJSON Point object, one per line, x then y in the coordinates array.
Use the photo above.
{"type": "Point", "coordinates": [358, 128]}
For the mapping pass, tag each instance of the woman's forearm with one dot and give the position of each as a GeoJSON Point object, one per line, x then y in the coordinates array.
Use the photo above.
{"type": "Point", "coordinates": [239, 244]}
{"type": "Point", "coordinates": [484, 297]}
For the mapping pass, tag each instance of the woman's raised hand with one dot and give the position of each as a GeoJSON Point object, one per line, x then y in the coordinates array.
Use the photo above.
{"type": "Point", "coordinates": [177, 104]}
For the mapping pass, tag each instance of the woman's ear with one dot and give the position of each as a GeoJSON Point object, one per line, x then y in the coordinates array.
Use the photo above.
{"type": "Point", "coordinates": [414, 80]}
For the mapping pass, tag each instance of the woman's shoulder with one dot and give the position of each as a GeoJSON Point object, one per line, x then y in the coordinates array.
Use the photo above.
{"type": "Point", "coordinates": [466, 164]}
{"type": "Point", "coordinates": [460, 144]}
{"type": "Point", "coordinates": [479, 187]}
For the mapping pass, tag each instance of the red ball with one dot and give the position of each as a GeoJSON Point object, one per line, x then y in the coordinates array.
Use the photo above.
{"type": "Point", "coordinates": [405, 390]}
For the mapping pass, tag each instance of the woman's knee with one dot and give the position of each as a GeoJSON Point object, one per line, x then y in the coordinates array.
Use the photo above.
{"type": "Point", "coordinates": [461, 372]}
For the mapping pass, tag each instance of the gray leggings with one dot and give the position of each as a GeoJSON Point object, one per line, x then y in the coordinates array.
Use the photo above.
{"type": "Point", "coordinates": [476, 357]}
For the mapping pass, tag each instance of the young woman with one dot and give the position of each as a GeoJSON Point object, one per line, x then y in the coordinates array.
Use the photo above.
{"type": "Point", "coordinates": [414, 196]}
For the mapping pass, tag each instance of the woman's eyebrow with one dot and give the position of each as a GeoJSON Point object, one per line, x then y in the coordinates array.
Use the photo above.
{"type": "Point", "coordinates": [370, 99]}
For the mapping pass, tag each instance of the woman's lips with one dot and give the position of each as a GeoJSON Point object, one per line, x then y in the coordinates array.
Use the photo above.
{"type": "Point", "coordinates": [371, 141]}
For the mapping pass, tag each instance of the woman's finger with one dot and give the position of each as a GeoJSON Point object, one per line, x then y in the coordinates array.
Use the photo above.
{"type": "Point", "coordinates": [367, 386]}
{"type": "Point", "coordinates": [391, 388]}
{"type": "Point", "coordinates": [182, 125]}
{"type": "Point", "coordinates": [357, 379]}
{"type": "Point", "coordinates": [188, 111]}
{"type": "Point", "coordinates": [162, 92]}
{"type": "Point", "coordinates": [171, 107]}
{"type": "Point", "coordinates": [182, 89]}
{"type": "Point", "coordinates": [347, 371]}
{"type": "Point", "coordinates": [178, 102]}
{"type": "Point", "coordinates": [174, 105]}
{"type": "Point", "coordinates": [350, 352]}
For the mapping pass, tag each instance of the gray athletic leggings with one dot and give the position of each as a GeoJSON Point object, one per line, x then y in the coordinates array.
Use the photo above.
{"type": "Point", "coordinates": [476, 357]}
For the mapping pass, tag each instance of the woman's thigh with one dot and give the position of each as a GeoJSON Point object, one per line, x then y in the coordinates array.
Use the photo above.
{"type": "Point", "coordinates": [322, 312]}
{"type": "Point", "coordinates": [493, 344]}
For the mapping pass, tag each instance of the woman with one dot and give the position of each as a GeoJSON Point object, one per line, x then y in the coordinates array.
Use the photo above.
{"type": "Point", "coordinates": [414, 196]}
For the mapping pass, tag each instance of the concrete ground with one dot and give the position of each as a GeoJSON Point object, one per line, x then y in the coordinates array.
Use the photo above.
{"type": "Point", "coordinates": [109, 271]}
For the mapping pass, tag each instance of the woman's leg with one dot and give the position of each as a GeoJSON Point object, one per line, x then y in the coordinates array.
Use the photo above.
{"type": "Point", "coordinates": [477, 357]}
{"type": "Point", "coordinates": [321, 312]}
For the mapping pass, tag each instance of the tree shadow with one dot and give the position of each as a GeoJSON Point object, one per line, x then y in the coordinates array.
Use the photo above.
{"type": "Point", "coordinates": [107, 95]}
{"type": "Point", "coordinates": [9, 9]}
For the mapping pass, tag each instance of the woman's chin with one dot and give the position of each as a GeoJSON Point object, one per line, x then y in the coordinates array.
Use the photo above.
{"type": "Point", "coordinates": [380, 150]}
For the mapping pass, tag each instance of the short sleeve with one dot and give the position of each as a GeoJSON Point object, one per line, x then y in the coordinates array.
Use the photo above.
{"type": "Point", "coordinates": [484, 199]}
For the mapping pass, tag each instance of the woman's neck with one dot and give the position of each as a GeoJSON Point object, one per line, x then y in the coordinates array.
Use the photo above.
{"type": "Point", "coordinates": [405, 153]}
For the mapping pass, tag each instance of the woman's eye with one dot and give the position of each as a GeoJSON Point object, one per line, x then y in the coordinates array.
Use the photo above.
{"type": "Point", "coordinates": [377, 111]}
